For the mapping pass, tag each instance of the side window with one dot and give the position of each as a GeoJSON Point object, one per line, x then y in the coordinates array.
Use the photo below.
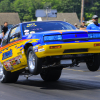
{"type": "Point", "coordinates": [15, 34]}
{"type": "Point", "coordinates": [5, 39]}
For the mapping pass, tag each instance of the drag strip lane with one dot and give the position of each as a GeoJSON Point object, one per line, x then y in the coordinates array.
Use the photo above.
{"type": "Point", "coordinates": [73, 85]}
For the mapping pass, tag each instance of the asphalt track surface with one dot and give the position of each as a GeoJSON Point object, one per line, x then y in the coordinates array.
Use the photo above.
{"type": "Point", "coordinates": [75, 84]}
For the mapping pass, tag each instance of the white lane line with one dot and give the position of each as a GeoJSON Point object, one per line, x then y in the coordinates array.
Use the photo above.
{"type": "Point", "coordinates": [74, 70]}
{"type": "Point", "coordinates": [95, 71]}
{"type": "Point", "coordinates": [80, 70]}
{"type": "Point", "coordinates": [97, 76]}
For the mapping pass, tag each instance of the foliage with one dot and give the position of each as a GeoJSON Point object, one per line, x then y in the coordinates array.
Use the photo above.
{"type": "Point", "coordinates": [99, 20]}
{"type": "Point", "coordinates": [26, 8]}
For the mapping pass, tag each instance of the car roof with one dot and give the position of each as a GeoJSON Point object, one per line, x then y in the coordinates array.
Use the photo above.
{"type": "Point", "coordinates": [42, 21]}
{"type": "Point", "coordinates": [45, 21]}
{"type": "Point", "coordinates": [38, 22]}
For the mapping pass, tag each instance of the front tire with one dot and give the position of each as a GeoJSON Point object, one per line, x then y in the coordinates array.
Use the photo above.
{"type": "Point", "coordinates": [8, 77]}
{"type": "Point", "coordinates": [50, 74]}
{"type": "Point", "coordinates": [93, 63]}
{"type": "Point", "coordinates": [34, 63]}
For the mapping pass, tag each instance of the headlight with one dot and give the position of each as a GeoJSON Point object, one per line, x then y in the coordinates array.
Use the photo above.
{"type": "Point", "coordinates": [53, 38]}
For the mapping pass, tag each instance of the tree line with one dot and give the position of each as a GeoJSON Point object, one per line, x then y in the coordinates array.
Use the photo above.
{"type": "Point", "coordinates": [26, 8]}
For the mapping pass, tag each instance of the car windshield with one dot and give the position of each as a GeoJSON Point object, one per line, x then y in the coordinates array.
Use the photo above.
{"type": "Point", "coordinates": [34, 27]}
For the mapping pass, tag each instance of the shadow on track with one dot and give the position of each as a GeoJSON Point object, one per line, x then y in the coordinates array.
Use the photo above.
{"type": "Point", "coordinates": [69, 84]}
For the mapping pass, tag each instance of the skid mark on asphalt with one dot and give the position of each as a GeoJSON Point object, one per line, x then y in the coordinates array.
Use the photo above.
{"type": "Point", "coordinates": [62, 84]}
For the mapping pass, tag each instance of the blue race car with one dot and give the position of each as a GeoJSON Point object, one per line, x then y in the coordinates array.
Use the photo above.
{"type": "Point", "coordinates": [46, 48]}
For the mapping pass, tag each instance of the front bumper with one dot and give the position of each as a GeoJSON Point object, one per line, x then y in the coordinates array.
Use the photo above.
{"type": "Point", "coordinates": [74, 48]}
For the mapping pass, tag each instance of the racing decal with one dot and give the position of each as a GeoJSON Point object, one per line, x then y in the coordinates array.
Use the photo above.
{"type": "Point", "coordinates": [41, 50]}
{"type": "Point", "coordinates": [16, 42]}
{"type": "Point", "coordinates": [76, 41]}
{"type": "Point", "coordinates": [29, 36]}
{"type": "Point", "coordinates": [31, 25]}
{"type": "Point", "coordinates": [32, 32]}
{"type": "Point", "coordinates": [38, 49]}
{"type": "Point", "coordinates": [4, 50]}
{"type": "Point", "coordinates": [14, 39]}
{"type": "Point", "coordinates": [13, 32]}
{"type": "Point", "coordinates": [26, 31]}
{"type": "Point", "coordinates": [19, 53]}
{"type": "Point", "coordinates": [20, 47]}
{"type": "Point", "coordinates": [35, 49]}
{"type": "Point", "coordinates": [7, 54]}
{"type": "Point", "coordinates": [8, 66]}
{"type": "Point", "coordinates": [22, 51]}
{"type": "Point", "coordinates": [15, 61]}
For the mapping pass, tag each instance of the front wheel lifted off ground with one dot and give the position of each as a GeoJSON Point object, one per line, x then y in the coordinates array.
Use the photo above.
{"type": "Point", "coordinates": [34, 63]}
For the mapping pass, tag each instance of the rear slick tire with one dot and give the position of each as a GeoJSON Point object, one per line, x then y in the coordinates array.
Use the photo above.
{"type": "Point", "coordinates": [93, 64]}
{"type": "Point", "coordinates": [8, 77]}
{"type": "Point", "coordinates": [50, 74]}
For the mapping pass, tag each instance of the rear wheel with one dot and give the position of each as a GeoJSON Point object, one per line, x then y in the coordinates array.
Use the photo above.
{"type": "Point", "coordinates": [93, 63]}
{"type": "Point", "coordinates": [8, 77]}
{"type": "Point", "coordinates": [34, 63]}
{"type": "Point", "coordinates": [50, 74]}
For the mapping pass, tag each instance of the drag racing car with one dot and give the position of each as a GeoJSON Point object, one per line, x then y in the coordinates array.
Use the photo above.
{"type": "Point", "coordinates": [45, 48]}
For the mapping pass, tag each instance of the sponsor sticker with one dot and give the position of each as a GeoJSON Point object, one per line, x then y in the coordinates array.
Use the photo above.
{"type": "Point", "coordinates": [22, 51]}
{"type": "Point", "coordinates": [31, 25]}
{"type": "Point", "coordinates": [7, 54]}
{"type": "Point", "coordinates": [14, 61]}
{"type": "Point", "coordinates": [32, 32]}
{"type": "Point", "coordinates": [30, 36]}
{"type": "Point", "coordinates": [41, 50]}
{"type": "Point", "coordinates": [8, 66]}
{"type": "Point", "coordinates": [26, 31]}
{"type": "Point", "coordinates": [35, 49]}
{"type": "Point", "coordinates": [38, 49]}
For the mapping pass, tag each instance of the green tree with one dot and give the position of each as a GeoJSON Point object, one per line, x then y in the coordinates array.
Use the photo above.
{"type": "Point", "coordinates": [27, 8]}
{"type": "Point", "coordinates": [5, 6]}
